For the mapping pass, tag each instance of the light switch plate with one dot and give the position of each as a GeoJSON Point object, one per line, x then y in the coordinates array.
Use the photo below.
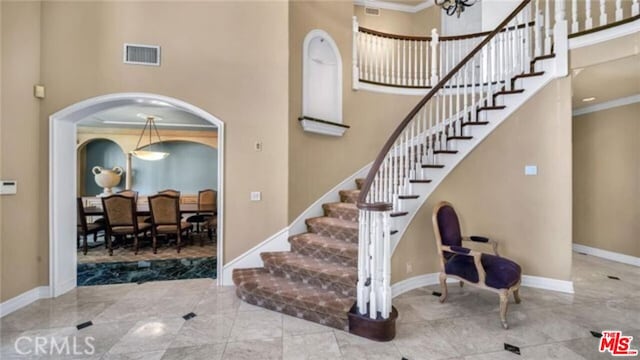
{"type": "Point", "coordinates": [531, 170]}
{"type": "Point", "coordinates": [256, 196]}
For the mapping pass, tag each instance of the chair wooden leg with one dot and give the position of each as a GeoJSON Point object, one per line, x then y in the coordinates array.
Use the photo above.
{"type": "Point", "coordinates": [443, 287]}
{"type": "Point", "coordinates": [504, 304]}
{"type": "Point", "coordinates": [85, 246]}
{"type": "Point", "coordinates": [179, 242]}
{"type": "Point", "coordinates": [108, 244]}
{"type": "Point", "coordinates": [461, 283]}
{"type": "Point", "coordinates": [135, 244]}
{"type": "Point", "coordinates": [516, 295]}
{"type": "Point", "coordinates": [154, 238]}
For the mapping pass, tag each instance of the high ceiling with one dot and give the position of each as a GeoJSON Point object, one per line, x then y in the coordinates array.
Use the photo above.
{"type": "Point", "coordinates": [133, 117]}
{"type": "Point", "coordinates": [607, 81]}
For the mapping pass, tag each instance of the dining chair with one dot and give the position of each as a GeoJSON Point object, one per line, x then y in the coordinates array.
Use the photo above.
{"type": "Point", "coordinates": [483, 270]}
{"type": "Point", "coordinates": [85, 229]}
{"type": "Point", "coordinates": [166, 219]}
{"type": "Point", "coordinates": [121, 220]}
{"type": "Point", "coordinates": [206, 211]}
{"type": "Point", "coordinates": [129, 192]}
{"type": "Point", "coordinates": [170, 192]}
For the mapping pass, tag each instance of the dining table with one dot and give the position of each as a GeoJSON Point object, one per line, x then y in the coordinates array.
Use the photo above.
{"type": "Point", "coordinates": [142, 209]}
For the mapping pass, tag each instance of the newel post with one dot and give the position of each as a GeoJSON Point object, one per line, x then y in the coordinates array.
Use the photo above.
{"type": "Point", "coordinates": [561, 38]}
{"type": "Point", "coordinates": [434, 57]}
{"type": "Point", "coordinates": [355, 72]}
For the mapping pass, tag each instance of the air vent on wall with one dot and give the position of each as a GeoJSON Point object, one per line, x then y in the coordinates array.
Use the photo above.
{"type": "Point", "coordinates": [142, 54]}
{"type": "Point", "coordinates": [372, 11]}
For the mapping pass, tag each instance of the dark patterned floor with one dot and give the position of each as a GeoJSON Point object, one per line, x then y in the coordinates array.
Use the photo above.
{"type": "Point", "coordinates": [143, 271]}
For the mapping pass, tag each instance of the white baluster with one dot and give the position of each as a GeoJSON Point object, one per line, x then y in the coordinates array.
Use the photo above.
{"type": "Point", "coordinates": [394, 54]}
{"type": "Point", "coordinates": [635, 8]}
{"type": "Point", "coordinates": [386, 266]}
{"type": "Point", "coordinates": [588, 21]}
{"type": "Point", "coordinates": [547, 28]}
{"type": "Point", "coordinates": [434, 57]}
{"type": "Point", "coordinates": [415, 63]}
{"type": "Point", "coordinates": [603, 13]}
{"type": "Point", "coordinates": [373, 297]}
{"type": "Point", "coordinates": [421, 59]}
{"type": "Point", "coordinates": [355, 72]}
{"type": "Point", "coordinates": [619, 12]}
{"type": "Point", "coordinates": [574, 16]}
{"type": "Point", "coordinates": [537, 33]}
{"type": "Point", "coordinates": [363, 258]}
{"type": "Point", "coordinates": [404, 62]}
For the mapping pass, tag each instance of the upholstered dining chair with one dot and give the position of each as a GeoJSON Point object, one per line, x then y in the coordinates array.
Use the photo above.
{"type": "Point", "coordinates": [165, 218]}
{"type": "Point", "coordinates": [85, 229]}
{"type": "Point", "coordinates": [206, 211]}
{"type": "Point", "coordinates": [129, 192]}
{"type": "Point", "coordinates": [170, 192]}
{"type": "Point", "coordinates": [121, 220]}
{"type": "Point", "coordinates": [486, 271]}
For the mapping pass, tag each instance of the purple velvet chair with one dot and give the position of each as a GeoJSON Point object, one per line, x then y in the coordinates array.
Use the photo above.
{"type": "Point", "coordinates": [483, 270]}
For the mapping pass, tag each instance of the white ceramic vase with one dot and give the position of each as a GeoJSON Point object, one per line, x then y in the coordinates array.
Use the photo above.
{"type": "Point", "coordinates": [106, 178]}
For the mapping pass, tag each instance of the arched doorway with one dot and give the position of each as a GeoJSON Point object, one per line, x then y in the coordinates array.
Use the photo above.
{"type": "Point", "coordinates": [63, 186]}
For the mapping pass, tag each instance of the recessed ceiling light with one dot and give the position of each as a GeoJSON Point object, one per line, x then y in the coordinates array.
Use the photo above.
{"type": "Point", "coordinates": [588, 99]}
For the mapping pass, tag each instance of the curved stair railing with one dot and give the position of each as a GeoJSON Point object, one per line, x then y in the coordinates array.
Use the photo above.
{"type": "Point", "coordinates": [418, 62]}
{"type": "Point", "coordinates": [455, 103]}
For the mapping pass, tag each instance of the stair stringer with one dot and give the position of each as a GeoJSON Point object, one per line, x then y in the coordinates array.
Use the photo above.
{"type": "Point", "coordinates": [513, 102]}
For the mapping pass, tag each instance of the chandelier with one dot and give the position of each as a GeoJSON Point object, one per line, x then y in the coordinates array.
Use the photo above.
{"type": "Point", "coordinates": [454, 6]}
{"type": "Point", "coordinates": [149, 155]}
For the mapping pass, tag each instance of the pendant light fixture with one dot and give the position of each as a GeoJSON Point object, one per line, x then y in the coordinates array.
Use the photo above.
{"type": "Point", "coordinates": [454, 6]}
{"type": "Point", "coordinates": [149, 155]}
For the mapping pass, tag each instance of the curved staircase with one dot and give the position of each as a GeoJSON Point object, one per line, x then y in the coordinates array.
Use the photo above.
{"type": "Point", "coordinates": [316, 280]}
{"type": "Point", "coordinates": [344, 258]}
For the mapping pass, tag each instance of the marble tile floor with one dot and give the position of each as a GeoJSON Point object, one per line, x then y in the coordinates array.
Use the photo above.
{"type": "Point", "coordinates": [146, 321]}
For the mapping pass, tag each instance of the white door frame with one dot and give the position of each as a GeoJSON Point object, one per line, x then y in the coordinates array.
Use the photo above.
{"type": "Point", "coordinates": [62, 180]}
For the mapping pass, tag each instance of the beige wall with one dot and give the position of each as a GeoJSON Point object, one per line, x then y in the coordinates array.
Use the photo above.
{"type": "Point", "coordinates": [530, 216]}
{"type": "Point", "coordinates": [317, 162]}
{"type": "Point", "coordinates": [399, 22]}
{"type": "Point", "coordinates": [606, 183]}
{"type": "Point", "coordinates": [23, 264]}
{"type": "Point", "coordinates": [229, 58]}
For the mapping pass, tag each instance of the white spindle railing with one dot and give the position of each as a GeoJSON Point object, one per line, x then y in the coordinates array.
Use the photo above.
{"type": "Point", "coordinates": [582, 13]}
{"type": "Point", "coordinates": [464, 78]}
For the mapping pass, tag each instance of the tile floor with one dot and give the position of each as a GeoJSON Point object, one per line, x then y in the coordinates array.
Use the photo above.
{"type": "Point", "coordinates": [145, 322]}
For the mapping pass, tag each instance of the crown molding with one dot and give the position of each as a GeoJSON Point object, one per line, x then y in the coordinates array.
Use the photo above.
{"type": "Point", "coordinates": [607, 105]}
{"type": "Point", "coordinates": [388, 5]}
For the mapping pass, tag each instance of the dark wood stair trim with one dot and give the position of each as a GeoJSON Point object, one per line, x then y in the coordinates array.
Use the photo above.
{"type": "Point", "coordinates": [475, 123]}
{"type": "Point", "coordinates": [459, 138]}
{"type": "Point", "coordinates": [408, 197]}
{"type": "Point", "coordinates": [416, 181]}
{"type": "Point", "coordinates": [432, 166]}
{"type": "Point", "coordinates": [539, 58]}
{"type": "Point", "coordinates": [399, 213]}
{"type": "Point", "coordinates": [374, 329]}
{"type": "Point", "coordinates": [436, 152]}
{"type": "Point", "coordinates": [494, 107]}
{"type": "Point", "coordinates": [393, 232]}
{"type": "Point", "coordinates": [525, 75]}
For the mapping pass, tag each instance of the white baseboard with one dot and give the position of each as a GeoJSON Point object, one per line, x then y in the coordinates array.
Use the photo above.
{"type": "Point", "coordinates": [415, 282]}
{"type": "Point", "coordinates": [565, 286]}
{"type": "Point", "coordinates": [280, 240]}
{"type": "Point", "coordinates": [299, 225]}
{"type": "Point", "coordinates": [605, 254]}
{"type": "Point", "coordinates": [251, 259]}
{"type": "Point", "coordinates": [24, 299]}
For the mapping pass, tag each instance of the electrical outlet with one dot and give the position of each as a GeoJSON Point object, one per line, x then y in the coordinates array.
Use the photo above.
{"type": "Point", "coordinates": [256, 196]}
{"type": "Point", "coordinates": [409, 268]}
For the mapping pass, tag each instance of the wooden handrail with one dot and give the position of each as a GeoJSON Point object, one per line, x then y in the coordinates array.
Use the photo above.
{"type": "Point", "coordinates": [441, 38]}
{"type": "Point", "coordinates": [362, 204]}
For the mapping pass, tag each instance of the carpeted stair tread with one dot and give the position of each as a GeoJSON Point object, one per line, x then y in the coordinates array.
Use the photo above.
{"type": "Point", "coordinates": [341, 210]}
{"type": "Point", "coordinates": [334, 228]}
{"type": "Point", "coordinates": [349, 196]}
{"type": "Point", "coordinates": [258, 286]}
{"type": "Point", "coordinates": [322, 247]}
{"type": "Point", "coordinates": [309, 270]}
